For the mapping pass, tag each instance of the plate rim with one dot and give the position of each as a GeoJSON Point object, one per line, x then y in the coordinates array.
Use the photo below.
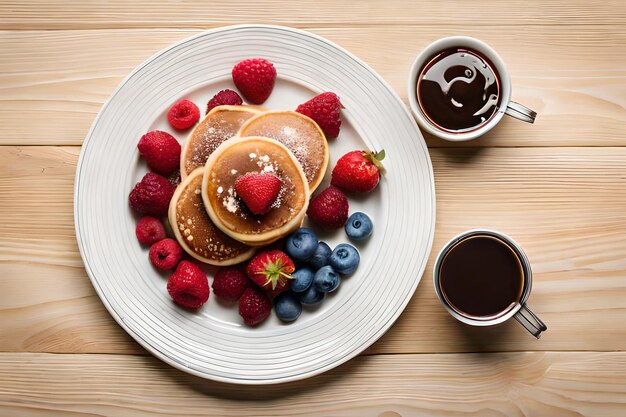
{"type": "Point", "coordinates": [178, 365]}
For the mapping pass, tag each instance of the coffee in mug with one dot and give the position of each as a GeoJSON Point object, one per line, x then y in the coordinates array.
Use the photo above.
{"type": "Point", "coordinates": [458, 90]}
{"type": "Point", "coordinates": [482, 277]}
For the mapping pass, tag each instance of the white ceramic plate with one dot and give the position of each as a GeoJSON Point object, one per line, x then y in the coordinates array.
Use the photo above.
{"type": "Point", "coordinates": [212, 342]}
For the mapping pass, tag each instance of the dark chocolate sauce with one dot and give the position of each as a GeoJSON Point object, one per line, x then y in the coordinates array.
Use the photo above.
{"type": "Point", "coordinates": [481, 276]}
{"type": "Point", "coordinates": [458, 90]}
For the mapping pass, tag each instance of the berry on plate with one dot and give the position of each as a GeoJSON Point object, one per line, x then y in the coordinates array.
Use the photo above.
{"type": "Point", "coordinates": [311, 296]}
{"type": "Point", "coordinates": [254, 306]}
{"type": "Point", "coordinates": [320, 257]}
{"type": "Point", "coordinates": [188, 286]}
{"type": "Point", "coordinates": [223, 98]}
{"type": "Point", "coordinates": [161, 151]}
{"type": "Point", "coordinates": [151, 195]}
{"type": "Point", "coordinates": [329, 208]}
{"type": "Point", "coordinates": [301, 244]}
{"type": "Point", "coordinates": [149, 230]}
{"type": "Point", "coordinates": [324, 109]}
{"type": "Point", "coordinates": [345, 258]}
{"type": "Point", "coordinates": [358, 171]}
{"type": "Point", "coordinates": [230, 283]}
{"type": "Point", "coordinates": [359, 226]}
{"type": "Point", "coordinates": [287, 307]}
{"type": "Point", "coordinates": [302, 279]}
{"type": "Point", "coordinates": [271, 269]}
{"type": "Point", "coordinates": [258, 191]}
{"type": "Point", "coordinates": [165, 254]}
{"type": "Point", "coordinates": [255, 79]}
{"type": "Point", "coordinates": [183, 114]}
{"type": "Point", "coordinates": [326, 279]}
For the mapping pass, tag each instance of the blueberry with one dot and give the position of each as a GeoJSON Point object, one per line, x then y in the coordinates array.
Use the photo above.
{"type": "Point", "coordinates": [301, 244]}
{"type": "Point", "coordinates": [359, 226]}
{"type": "Point", "coordinates": [302, 279]}
{"type": "Point", "coordinates": [345, 258]}
{"type": "Point", "coordinates": [311, 296]}
{"type": "Point", "coordinates": [321, 255]}
{"type": "Point", "coordinates": [326, 279]}
{"type": "Point", "coordinates": [287, 306]}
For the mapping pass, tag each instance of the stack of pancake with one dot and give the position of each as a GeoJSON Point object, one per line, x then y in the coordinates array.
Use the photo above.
{"type": "Point", "coordinates": [208, 219]}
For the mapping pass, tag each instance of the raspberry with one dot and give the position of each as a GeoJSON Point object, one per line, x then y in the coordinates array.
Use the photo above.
{"type": "Point", "coordinates": [223, 98]}
{"type": "Point", "coordinates": [165, 254]}
{"type": "Point", "coordinates": [324, 110]}
{"type": "Point", "coordinates": [149, 230]}
{"type": "Point", "coordinates": [329, 208]}
{"type": "Point", "coordinates": [183, 114]}
{"type": "Point", "coordinates": [161, 151]}
{"type": "Point", "coordinates": [151, 195]}
{"type": "Point", "coordinates": [255, 79]}
{"type": "Point", "coordinates": [188, 286]}
{"type": "Point", "coordinates": [230, 283]}
{"type": "Point", "coordinates": [254, 306]}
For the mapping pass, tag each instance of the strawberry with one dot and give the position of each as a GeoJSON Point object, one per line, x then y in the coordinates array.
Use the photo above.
{"type": "Point", "coordinates": [230, 283]}
{"type": "Point", "coordinates": [224, 97]}
{"type": "Point", "coordinates": [161, 151]}
{"type": "Point", "coordinates": [271, 269]}
{"type": "Point", "coordinates": [258, 190]}
{"type": "Point", "coordinates": [324, 110]}
{"type": "Point", "coordinates": [254, 306]}
{"type": "Point", "coordinates": [329, 208]}
{"type": "Point", "coordinates": [188, 286]}
{"type": "Point", "coordinates": [254, 78]}
{"type": "Point", "coordinates": [358, 171]}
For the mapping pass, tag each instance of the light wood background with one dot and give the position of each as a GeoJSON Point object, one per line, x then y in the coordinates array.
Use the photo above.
{"type": "Point", "coordinates": [558, 187]}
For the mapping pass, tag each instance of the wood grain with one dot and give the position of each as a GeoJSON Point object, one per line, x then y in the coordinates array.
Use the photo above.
{"type": "Point", "coordinates": [53, 83]}
{"type": "Point", "coordinates": [73, 14]}
{"type": "Point", "coordinates": [524, 384]}
{"type": "Point", "coordinates": [565, 206]}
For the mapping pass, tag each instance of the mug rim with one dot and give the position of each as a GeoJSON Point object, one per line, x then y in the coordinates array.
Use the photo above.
{"type": "Point", "coordinates": [528, 279]}
{"type": "Point", "coordinates": [441, 45]}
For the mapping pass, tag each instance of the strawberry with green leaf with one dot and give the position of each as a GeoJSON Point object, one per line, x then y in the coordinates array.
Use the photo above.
{"type": "Point", "coordinates": [358, 171]}
{"type": "Point", "coordinates": [271, 269]}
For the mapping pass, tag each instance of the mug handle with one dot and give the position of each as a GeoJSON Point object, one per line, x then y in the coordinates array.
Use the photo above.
{"type": "Point", "coordinates": [520, 112]}
{"type": "Point", "coordinates": [530, 321]}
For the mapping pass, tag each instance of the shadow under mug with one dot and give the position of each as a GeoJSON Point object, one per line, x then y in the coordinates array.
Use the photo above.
{"type": "Point", "coordinates": [519, 312]}
{"type": "Point", "coordinates": [507, 106]}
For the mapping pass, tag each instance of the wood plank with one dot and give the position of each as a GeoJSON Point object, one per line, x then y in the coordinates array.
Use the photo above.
{"type": "Point", "coordinates": [41, 14]}
{"type": "Point", "coordinates": [521, 384]}
{"type": "Point", "coordinates": [52, 84]}
{"type": "Point", "coordinates": [565, 206]}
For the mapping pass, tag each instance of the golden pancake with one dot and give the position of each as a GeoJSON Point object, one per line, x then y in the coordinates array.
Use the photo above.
{"type": "Point", "coordinates": [220, 124]}
{"type": "Point", "coordinates": [300, 134]}
{"type": "Point", "coordinates": [237, 157]}
{"type": "Point", "coordinates": [195, 231]}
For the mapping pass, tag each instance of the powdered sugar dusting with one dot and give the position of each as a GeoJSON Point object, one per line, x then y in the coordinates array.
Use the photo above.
{"type": "Point", "coordinates": [230, 201]}
{"type": "Point", "coordinates": [210, 134]}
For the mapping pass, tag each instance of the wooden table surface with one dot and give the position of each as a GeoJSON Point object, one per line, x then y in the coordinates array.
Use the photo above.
{"type": "Point", "coordinates": [558, 187]}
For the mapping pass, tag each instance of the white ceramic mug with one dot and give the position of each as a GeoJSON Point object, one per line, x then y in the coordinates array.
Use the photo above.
{"type": "Point", "coordinates": [519, 311]}
{"type": "Point", "coordinates": [506, 105]}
